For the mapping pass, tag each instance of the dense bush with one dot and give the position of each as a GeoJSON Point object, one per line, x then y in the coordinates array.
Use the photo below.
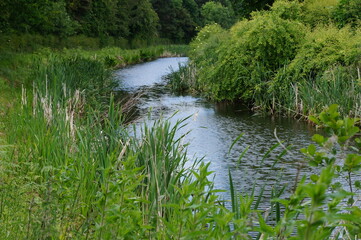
{"type": "Point", "coordinates": [323, 48]}
{"type": "Point", "coordinates": [263, 59]}
{"type": "Point", "coordinates": [244, 61]}
{"type": "Point", "coordinates": [348, 12]}
{"type": "Point", "coordinates": [287, 9]}
{"type": "Point", "coordinates": [204, 48]}
{"type": "Point", "coordinates": [316, 12]}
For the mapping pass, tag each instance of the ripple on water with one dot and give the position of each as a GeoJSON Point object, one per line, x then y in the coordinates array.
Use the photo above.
{"type": "Point", "coordinates": [214, 127]}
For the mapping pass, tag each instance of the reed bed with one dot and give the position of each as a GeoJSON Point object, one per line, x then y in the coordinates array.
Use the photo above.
{"type": "Point", "coordinates": [340, 86]}
{"type": "Point", "coordinates": [183, 80]}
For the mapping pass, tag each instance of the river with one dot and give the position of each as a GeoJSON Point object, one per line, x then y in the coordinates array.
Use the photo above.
{"type": "Point", "coordinates": [214, 127]}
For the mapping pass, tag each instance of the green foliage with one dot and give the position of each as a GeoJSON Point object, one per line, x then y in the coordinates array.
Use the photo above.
{"type": "Point", "coordinates": [45, 17]}
{"type": "Point", "coordinates": [127, 19]}
{"type": "Point", "coordinates": [318, 12]}
{"type": "Point", "coordinates": [321, 207]}
{"type": "Point", "coordinates": [4, 17]}
{"type": "Point", "coordinates": [347, 12]}
{"type": "Point", "coordinates": [74, 171]}
{"type": "Point", "coordinates": [144, 20]}
{"type": "Point", "coordinates": [204, 48]}
{"type": "Point", "coordinates": [338, 84]}
{"type": "Point", "coordinates": [331, 120]}
{"type": "Point", "coordinates": [244, 8]}
{"type": "Point", "coordinates": [79, 174]}
{"type": "Point", "coordinates": [280, 60]}
{"type": "Point", "coordinates": [175, 20]}
{"type": "Point", "coordinates": [59, 22]}
{"type": "Point", "coordinates": [287, 9]}
{"type": "Point", "coordinates": [323, 70]}
{"type": "Point", "coordinates": [323, 48]}
{"type": "Point", "coordinates": [244, 62]}
{"type": "Point", "coordinates": [85, 176]}
{"type": "Point", "coordinates": [183, 80]}
{"type": "Point", "coordinates": [122, 18]}
{"type": "Point", "coordinates": [213, 12]}
{"type": "Point", "coordinates": [134, 20]}
{"type": "Point", "coordinates": [61, 75]}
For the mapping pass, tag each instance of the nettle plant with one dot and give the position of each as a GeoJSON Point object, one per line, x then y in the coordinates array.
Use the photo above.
{"type": "Point", "coordinates": [327, 205]}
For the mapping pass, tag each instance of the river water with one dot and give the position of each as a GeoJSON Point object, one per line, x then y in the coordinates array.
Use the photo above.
{"type": "Point", "coordinates": [214, 127]}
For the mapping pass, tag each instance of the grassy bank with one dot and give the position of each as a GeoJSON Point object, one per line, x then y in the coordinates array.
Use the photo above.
{"type": "Point", "coordinates": [73, 171]}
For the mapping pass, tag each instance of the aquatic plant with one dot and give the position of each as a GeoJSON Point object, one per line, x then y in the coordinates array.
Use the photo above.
{"type": "Point", "coordinates": [184, 80]}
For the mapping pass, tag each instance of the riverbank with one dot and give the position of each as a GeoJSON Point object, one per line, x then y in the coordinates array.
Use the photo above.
{"type": "Point", "coordinates": [59, 116]}
{"type": "Point", "coordinates": [74, 171]}
{"type": "Point", "coordinates": [17, 68]}
{"type": "Point", "coordinates": [280, 63]}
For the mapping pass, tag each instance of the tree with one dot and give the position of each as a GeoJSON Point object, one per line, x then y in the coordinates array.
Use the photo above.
{"type": "Point", "coordinates": [38, 16]}
{"type": "Point", "coordinates": [243, 8]}
{"type": "Point", "coordinates": [194, 10]}
{"type": "Point", "coordinates": [143, 19]}
{"type": "Point", "coordinates": [58, 21]}
{"type": "Point", "coordinates": [4, 16]}
{"type": "Point", "coordinates": [78, 9]}
{"type": "Point", "coordinates": [176, 22]}
{"type": "Point", "coordinates": [214, 12]}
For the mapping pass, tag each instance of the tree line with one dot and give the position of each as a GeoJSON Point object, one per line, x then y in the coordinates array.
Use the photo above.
{"type": "Point", "coordinates": [176, 20]}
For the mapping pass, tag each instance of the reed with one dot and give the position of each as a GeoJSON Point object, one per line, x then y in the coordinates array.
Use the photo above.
{"type": "Point", "coordinates": [338, 85]}
{"type": "Point", "coordinates": [183, 80]}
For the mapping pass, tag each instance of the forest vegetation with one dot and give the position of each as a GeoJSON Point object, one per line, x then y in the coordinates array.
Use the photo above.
{"type": "Point", "coordinates": [70, 168]}
{"type": "Point", "coordinates": [124, 23]}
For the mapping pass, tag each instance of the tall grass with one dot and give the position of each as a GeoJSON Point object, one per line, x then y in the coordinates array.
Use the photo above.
{"type": "Point", "coordinates": [60, 153]}
{"type": "Point", "coordinates": [183, 80]}
{"type": "Point", "coordinates": [75, 172]}
{"type": "Point", "coordinates": [311, 95]}
{"type": "Point", "coordinates": [338, 85]}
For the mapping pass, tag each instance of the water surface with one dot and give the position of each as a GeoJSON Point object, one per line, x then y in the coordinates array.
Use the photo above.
{"type": "Point", "coordinates": [214, 127]}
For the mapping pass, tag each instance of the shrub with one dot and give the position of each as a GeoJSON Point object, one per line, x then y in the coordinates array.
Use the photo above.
{"type": "Point", "coordinates": [204, 47]}
{"type": "Point", "coordinates": [254, 50]}
{"type": "Point", "coordinates": [287, 9]}
{"type": "Point", "coordinates": [316, 12]}
{"type": "Point", "coordinates": [347, 12]}
{"type": "Point", "coordinates": [323, 48]}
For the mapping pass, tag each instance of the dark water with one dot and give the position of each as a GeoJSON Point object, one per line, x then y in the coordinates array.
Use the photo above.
{"type": "Point", "coordinates": [214, 127]}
